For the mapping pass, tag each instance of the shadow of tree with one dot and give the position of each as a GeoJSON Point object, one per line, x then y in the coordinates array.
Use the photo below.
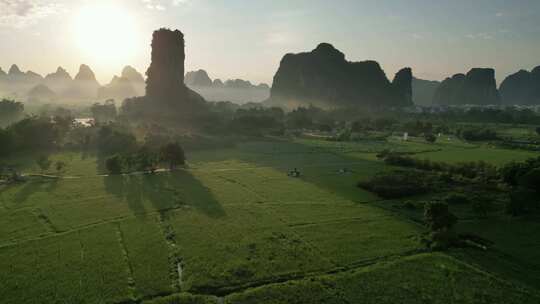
{"type": "Point", "coordinates": [34, 186]}
{"type": "Point", "coordinates": [163, 191]}
{"type": "Point", "coordinates": [319, 166]}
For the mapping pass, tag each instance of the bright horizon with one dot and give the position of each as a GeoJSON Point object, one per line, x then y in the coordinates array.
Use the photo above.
{"type": "Point", "coordinates": [436, 39]}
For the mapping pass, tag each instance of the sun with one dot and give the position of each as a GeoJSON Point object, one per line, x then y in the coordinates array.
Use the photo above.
{"type": "Point", "coordinates": [105, 32]}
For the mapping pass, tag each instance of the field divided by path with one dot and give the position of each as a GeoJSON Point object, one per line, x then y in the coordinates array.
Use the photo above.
{"type": "Point", "coordinates": [232, 223]}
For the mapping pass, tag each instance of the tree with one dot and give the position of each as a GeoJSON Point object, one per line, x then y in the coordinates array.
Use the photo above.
{"type": "Point", "coordinates": [104, 113]}
{"type": "Point", "coordinates": [145, 160]}
{"type": "Point", "coordinates": [440, 221]}
{"type": "Point", "coordinates": [114, 164]}
{"type": "Point", "coordinates": [59, 166]}
{"type": "Point", "coordinates": [173, 154]}
{"type": "Point", "coordinates": [43, 162]}
{"type": "Point", "coordinates": [112, 141]}
{"type": "Point", "coordinates": [430, 138]}
{"type": "Point", "coordinates": [456, 199]}
{"type": "Point", "coordinates": [10, 111]}
{"type": "Point", "coordinates": [438, 217]}
{"type": "Point", "coordinates": [531, 179]}
{"type": "Point", "coordinates": [538, 130]}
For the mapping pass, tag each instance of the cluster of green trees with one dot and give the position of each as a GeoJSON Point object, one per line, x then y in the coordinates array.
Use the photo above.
{"type": "Point", "coordinates": [104, 113]}
{"type": "Point", "coordinates": [508, 115]}
{"type": "Point", "coordinates": [477, 134]}
{"type": "Point", "coordinates": [440, 222]}
{"type": "Point", "coordinates": [33, 134]}
{"type": "Point", "coordinates": [10, 111]}
{"type": "Point", "coordinates": [397, 184]}
{"type": "Point", "coordinates": [523, 178]}
{"type": "Point", "coordinates": [145, 159]}
{"type": "Point", "coordinates": [44, 163]}
{"type": "Point", "coordinates": [479, 169]}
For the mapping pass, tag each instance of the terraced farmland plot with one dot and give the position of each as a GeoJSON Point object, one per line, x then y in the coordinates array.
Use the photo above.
{"type": "Point", "coordinates": [78, 267]}
{"type": "Point", "coordinates": [303, 213]}
{"type": "Point", "coordinates": [424, 278]}
{"type": "Point", "coordinates": [150, 258]}
{"type": "Point", "coordinates": [231, 222]}
{"type": "Point", "coordinates": [73, 203]}
{"type": "Point", "coordinates": [360, 240]}
{"type": "Point", "coordinates": [245, 245]}
{"type": "Point", "coordinates": [21, 224]}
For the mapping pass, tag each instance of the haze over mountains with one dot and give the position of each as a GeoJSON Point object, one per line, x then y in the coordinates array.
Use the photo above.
{"type": "Point", "coordinates": [84, 87]}
{"type": "Point", "coordinates": [61, 87]}
{"type": "Point", "coordinates": [235, 90]}
{"type": "Point", "coordinates": [322, 77]}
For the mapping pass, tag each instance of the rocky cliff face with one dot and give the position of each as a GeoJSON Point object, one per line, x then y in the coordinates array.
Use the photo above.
{"type": "Point", "coordinates": [135, 78]}
{"type": "Point", "coordinates": [14, 71]}
{"type": "Point", "coordinates": [58, 81]}
{"type": "Point", "coordinates": [233, 90]}
{"type": "Point", "coordinates": [17, 82]}
{"type": "Point", "coordinates": [41, 93]}
{"type": "Point", "coordinates": [478, 87]}
{"type": "Point", "coordinates": [60, 75]}
{"type": "Point", "coordinates": [522, 88]}
{"type": "Point", "coordinates": [119, 88]}
{"type": "Point", "coordinates": [402, 83]}
{"type": "Point", "coordinates": [198, 78]}
{"type": "Point", "coordinates": [165, 82]}
{"type": "Point", "coordinates": [84, 85]}
{"type": "Point", "coordinates": [424, 91]}
{"type": "Point", "coordinates": [131, 74]}
{"type": "Point", "coordinates": [166, 94]}
{"type": "Point", "coordinates": [323, 76]}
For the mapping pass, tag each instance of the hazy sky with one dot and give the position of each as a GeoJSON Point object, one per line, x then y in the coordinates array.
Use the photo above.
{"type": "Point", "coordinates": [247, 38]}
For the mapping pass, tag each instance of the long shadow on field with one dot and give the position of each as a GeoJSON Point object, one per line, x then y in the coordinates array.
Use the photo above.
{"type": "Point", "coordinates": [34, 186]}
{"type": "Point", "coordinates": [163, 191]}
{"type": "Point", "coordinates": [319, 166]}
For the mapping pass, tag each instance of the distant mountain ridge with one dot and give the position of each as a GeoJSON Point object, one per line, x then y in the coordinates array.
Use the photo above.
{"type": "Point", "coordinates": [60, 86]}
{"type": "Point", "coordinates": [477, 87]}
{"type": "Point", "coordinates": [424, 91]}
{"type": "Point", "coordinates": [234, 90]}
{"type": "Point", "coordinates": [200, 78]}
{"type": "Point", "coordinates": [324, 77]}
{"type": "Point", "coordinates": [522, 88]}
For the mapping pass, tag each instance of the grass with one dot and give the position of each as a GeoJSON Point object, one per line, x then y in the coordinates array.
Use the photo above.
{"type": "Point", "coordinates": [151, 273]}
{"type": "Point", "coordinates": [79, 267]}
{"type": "Point", "coordinates": [247, 244]}
{"type": "Point", "coordinates": [236, 223]}
{"type": "Point", "coordinates": [425, 278]}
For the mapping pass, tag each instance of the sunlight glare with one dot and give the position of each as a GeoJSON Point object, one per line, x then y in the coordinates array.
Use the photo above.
{"type": "Point", "coordinates": [106, 32]}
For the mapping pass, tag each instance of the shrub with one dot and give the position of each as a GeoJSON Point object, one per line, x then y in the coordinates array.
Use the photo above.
{"type": "Point", "coordinates": [438, 217]}
{"type": "Point", "coordinates": [481, 207]}
{"type": "Point", "coordinates": [469, 170]}
{"type": "Point", "coordinates": [522, 201]}
{"type": "Point", "coordinates": [441, 222]}
{"type": "Point", "coordinates": [478, 134]}
{"type": "Point", "coordinates": [114, 164]}
{"type": "Point", "coordinates": [396, 184]}
{"type": "Point", "coordinates": [173, 154]}
{"type": "Point", "coordinates": [60, 165]}
{"type": "Point", "coordinates": [531, 179]}
{"type": "Point", "coordinates": [111, 141]}
{"type": "Point", "coordinates": [456, 199]}
{"type": "Point", "coordinates": [430, 138]}
{"type": "Point", "coordinates": [43, 162]}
